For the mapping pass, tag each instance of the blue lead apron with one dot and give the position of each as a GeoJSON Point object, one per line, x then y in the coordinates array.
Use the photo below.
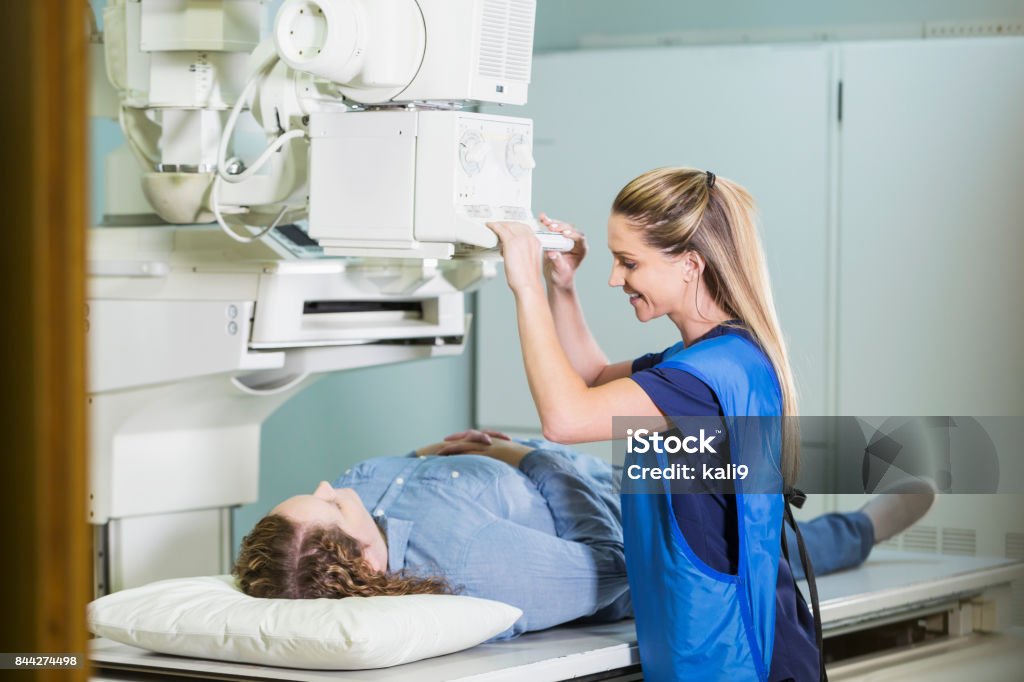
{"type": "Point", "coordinates": [692, 621]}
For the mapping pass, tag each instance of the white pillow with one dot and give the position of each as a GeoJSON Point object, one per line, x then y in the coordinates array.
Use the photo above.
{"type": "Point", "coordinates": [209, 617]}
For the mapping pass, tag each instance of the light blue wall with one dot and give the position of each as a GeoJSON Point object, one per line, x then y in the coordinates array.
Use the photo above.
{"type": "Point", "coordinates": [561, 23]}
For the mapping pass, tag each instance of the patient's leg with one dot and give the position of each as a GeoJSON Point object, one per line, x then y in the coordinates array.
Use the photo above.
{"type": "Point", "coordinates": [838, 541]}
{"type": "Point", "coordinates": [900, 507]}
{"type": "Point", "coordinates": [834, 542]}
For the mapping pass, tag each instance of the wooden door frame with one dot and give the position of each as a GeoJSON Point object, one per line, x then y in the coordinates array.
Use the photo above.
{"type": "Point", "coordinates": [45, 535]}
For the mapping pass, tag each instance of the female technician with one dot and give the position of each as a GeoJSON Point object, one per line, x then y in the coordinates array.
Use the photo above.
{"type": "Point", "coordinates": [711, 596]}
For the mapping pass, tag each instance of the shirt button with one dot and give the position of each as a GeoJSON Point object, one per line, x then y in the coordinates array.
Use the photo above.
{"type": "Point", "coordinates": [455, 474]}
{"type": "Point", "coordinates": [422, 456]}
{"type": "Point", "coordinates": [379, 512]}
{"type": "Point", "coordinates": [399, 481]}
{"type": "Point", "coordinates": [348, 471]}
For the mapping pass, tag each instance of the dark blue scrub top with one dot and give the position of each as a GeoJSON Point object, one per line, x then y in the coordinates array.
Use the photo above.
{"type": "Point", "coordinates": [708, 521]}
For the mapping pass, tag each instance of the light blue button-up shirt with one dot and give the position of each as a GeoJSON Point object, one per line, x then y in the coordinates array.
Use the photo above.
{"type": "Point", "coordinates": [546, 538]}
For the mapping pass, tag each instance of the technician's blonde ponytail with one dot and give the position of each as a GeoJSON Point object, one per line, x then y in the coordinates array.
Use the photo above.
{"type": "Point", "coordinates": [685, 209]}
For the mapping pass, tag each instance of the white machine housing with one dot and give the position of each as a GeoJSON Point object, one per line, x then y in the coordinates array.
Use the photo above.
{"type": "Point", "coordinates": [339, 75]}
{"type": "Point", "coordinates": [378, 51]}
{"type": "Point", "coordinates": [479, 51]}
{"type": "Point", "coordinates": [416, 183]}
{"type": "Point", "coordinates": [180, 53]}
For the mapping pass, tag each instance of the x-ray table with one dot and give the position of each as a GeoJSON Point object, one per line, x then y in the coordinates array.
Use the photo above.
{"type": "Point", "coordinates": [967, 595]}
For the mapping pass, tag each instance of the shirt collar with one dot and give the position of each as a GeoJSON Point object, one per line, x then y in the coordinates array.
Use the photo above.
{"type": "Point", "coordinates": [397, 532]}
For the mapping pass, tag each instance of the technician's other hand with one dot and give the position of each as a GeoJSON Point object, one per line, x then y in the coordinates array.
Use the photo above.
{"type": "Point", "coordinates": [478, 436]}
{"type": "Point", "coordinates": [522, 253]}
{"type": "Point", "coordinates": [560, 266]}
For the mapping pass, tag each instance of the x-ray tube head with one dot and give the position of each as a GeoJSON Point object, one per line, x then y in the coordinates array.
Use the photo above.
{"type": "Point", "coordinates": [382, 52]}
{"type": "Point", "coordinates": [370, 48]}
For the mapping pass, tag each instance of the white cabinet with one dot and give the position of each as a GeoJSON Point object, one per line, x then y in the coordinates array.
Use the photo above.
{"type": "Point", "coordinates": [930, 290]}
{"type": "Point", "coordinates": [931, 228]}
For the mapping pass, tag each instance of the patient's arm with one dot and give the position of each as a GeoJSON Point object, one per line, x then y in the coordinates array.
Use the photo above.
{"type": "Point", "coordinates": [464, 442]}
{"type": "Point", "coordinates": [553, 579]}
{"type": "Point", "coordinates": [486, 436]}
{"type": "Point", "coordinates": [506, 451]}
{"type": "Point", "coordinates": [430, 449]}
{"type": "Point", "coordinates": [579, 512]}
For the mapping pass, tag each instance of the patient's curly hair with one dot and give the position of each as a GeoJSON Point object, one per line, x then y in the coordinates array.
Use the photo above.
{"type": "Point", "coordinates": [286, 560]}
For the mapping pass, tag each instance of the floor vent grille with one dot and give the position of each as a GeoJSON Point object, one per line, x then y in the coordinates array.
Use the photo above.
{"type": "Point", "coordinates": [961, 541]}
{"type": "Point", "coordinates": [921, 539]}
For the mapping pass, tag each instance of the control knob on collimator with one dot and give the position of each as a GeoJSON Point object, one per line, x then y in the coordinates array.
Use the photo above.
{"type": "Point", "coordinates": [473, 150]}
{"type": "Point", "coordinates": [519, 156]}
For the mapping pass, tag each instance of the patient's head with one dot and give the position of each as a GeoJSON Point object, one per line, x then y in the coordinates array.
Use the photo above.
{"type": "Point", "coordinates": [322, 545]}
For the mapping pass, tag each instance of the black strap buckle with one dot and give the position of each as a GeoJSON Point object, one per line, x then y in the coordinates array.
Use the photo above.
{"type": "Point", "coordinates": [795, 497]}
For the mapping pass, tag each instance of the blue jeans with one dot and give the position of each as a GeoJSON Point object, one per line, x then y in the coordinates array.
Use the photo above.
{"type": "Point", "coordinates": [834, 542]}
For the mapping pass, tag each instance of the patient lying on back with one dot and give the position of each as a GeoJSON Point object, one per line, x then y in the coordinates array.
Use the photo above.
{"type": "Point", "coordinates": [531, 523]}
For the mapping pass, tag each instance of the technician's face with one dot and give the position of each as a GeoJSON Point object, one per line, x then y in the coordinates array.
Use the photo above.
{"type": "Point", "coordinates": [653, 281]}
{"type": "Point", "coordinates": [340, 508]}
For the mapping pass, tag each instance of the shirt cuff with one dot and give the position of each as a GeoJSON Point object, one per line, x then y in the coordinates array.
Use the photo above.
{"type": "Point", "coordinates": [538, 464]}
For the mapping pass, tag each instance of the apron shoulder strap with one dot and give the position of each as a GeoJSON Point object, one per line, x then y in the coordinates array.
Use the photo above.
{"type": "Point", "coordinates": [796, 498]}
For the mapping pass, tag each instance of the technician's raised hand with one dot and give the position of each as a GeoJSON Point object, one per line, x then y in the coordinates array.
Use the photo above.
{"type": "Point", "coordinates": [560, 267]}
{"type": "Point", "coordinates": [522, 253]}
